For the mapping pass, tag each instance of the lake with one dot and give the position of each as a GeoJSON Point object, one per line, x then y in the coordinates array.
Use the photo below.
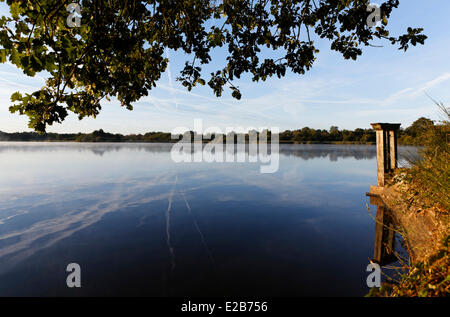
{"type": "Point", "coordinates": [140, 224]}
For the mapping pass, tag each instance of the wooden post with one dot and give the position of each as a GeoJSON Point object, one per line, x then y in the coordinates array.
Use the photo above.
{"type": "Point", "coordinates": [386, 150]}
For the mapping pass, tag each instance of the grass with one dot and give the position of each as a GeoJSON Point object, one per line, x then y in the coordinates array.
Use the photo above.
{"type": "Point", "coordinates": [428, 184]}
{"type": "Point", "coordinates": [425, 279]}
{"type": "Point", "coordinates": [429, 174]}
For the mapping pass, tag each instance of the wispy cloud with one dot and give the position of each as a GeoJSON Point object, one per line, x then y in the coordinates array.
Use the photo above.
{"type": "Point", "coordinates": [169, 74]}
{"type": "Point", "coordinates": [432, 83]}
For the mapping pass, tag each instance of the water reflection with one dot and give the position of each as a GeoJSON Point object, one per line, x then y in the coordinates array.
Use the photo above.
{"type": "Point", "coordinates": [139, 224]}
{"type": "Point", "coordinates": [384, 248]}
{"type": "Point", "coordinates": [304, 151]}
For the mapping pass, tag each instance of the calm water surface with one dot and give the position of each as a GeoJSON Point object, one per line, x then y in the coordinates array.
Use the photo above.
{"type": "Point", "coordinates": [140, 224]}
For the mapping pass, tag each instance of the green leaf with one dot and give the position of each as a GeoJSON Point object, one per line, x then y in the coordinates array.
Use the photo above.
{"type": "Point", "coordinates": [2, 56]}
{"type": "Point", "coordinates": [17, 96]}
{"type": "Point", "coordinates": [14, 8]}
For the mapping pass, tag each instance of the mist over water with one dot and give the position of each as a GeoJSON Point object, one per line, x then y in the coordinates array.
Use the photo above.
{"type": "Point", "coordinates": [140, 224]}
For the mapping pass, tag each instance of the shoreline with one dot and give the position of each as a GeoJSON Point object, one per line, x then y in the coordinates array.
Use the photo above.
{"type": "Point", "coordinates": [424, 228]}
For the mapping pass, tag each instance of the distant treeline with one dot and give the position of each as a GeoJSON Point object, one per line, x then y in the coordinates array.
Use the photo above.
{"type": "Point", "coordinates": [96, 136]}
{"type": "Point", "coordinates": [410, 136]}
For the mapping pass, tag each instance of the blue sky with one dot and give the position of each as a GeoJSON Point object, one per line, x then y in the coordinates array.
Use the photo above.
{"type": "Point", "coordinates": [383, 85]}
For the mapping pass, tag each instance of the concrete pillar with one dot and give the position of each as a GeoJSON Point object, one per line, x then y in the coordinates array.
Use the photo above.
{"type": "Point", "coordinates": [393, 149]}
{"type": "Point", "coordinates": [386, 150]}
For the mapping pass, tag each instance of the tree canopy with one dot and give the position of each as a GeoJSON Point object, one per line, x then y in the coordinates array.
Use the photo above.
{"type": "Point", "coordinates": [118, 50]}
